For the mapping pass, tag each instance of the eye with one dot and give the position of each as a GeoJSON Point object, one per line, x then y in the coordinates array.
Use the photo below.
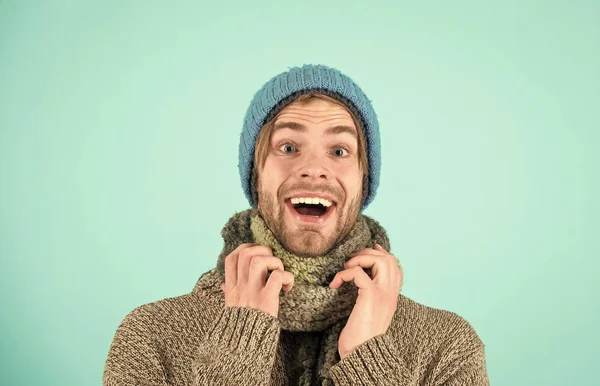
{"type": "Point", "coordinates": [287, 148]}
{"type": "Point", "coordinates": [340, 152]}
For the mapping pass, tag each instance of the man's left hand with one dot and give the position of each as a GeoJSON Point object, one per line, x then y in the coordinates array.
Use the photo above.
{"type": "Point", "coordinates": [377, 298]}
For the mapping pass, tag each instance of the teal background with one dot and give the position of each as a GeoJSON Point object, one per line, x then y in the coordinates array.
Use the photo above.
{"type": "Point", "coordinates": [119, 125]}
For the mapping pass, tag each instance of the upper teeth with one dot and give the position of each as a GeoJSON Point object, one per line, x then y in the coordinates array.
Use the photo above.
{"type": "Point", "coordinates": [308, 200]}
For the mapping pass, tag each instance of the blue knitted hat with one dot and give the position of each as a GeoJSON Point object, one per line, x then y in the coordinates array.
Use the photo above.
{"type": "Point", "coordinates": [282, 90]}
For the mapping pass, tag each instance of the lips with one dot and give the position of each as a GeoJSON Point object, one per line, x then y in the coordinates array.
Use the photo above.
{"type": "Point", "coordinates": [310, 207]}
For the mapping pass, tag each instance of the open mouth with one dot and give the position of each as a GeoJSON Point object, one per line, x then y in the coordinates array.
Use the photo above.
{"type": "Point", "coordinates": [308, 208]}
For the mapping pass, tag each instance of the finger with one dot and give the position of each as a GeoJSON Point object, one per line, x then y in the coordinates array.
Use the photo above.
{"type": "Point", "coordinates": [245, 257]}
{"type": "Point", "coordinates": [231, 265]}
{"type": "Point", "coordinates": [369, 251]}
{"type": "Point", "coordinates": [376, 252]}
{"type": "Point", "coordinates": [380, 266]}
{"type": "Point", "coordinates": [288, 281]}
{"type": "Point", "coordinates": [386, 256]}
{"type": "Point", "coordinates": [277, 281]}
{"type": "Point", "coordinates": [380, 248]}
{"type": "Point", "coordinates": [356, 274]}
{"type": "Point", "coordinates": [260, 265]}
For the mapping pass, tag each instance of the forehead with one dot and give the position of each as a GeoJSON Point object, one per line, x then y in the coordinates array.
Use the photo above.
{"type": "Point", "coordinates": [315, 111]}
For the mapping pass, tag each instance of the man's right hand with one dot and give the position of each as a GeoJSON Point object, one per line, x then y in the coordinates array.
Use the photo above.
{"type": "Point", "coordinates": [246, 271]}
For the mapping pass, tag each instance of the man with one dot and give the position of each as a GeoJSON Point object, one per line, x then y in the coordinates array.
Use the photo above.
{"type": "Point", "coordinates": [305, 290]}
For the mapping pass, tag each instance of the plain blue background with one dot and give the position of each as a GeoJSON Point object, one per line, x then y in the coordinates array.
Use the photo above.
{"type": "Point", "coordinates": [119, 127]}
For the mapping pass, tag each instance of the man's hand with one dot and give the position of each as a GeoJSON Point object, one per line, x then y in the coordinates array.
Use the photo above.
{"type": "Point", "coordinates": [377, 298]}
{"type": "Point", "coordinates": [246, 271]}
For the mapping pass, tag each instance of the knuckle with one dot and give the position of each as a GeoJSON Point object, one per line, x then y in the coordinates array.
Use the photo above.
{"type": "Point", "coordinates": [256, 261]}
{"type": "Point", "coordinates": [246, 253]}
{"type": "Point", "coordinates": [242, 247]}
{"type": "Point", "coordinates": [266, 250]}
{"type": "Point", "coordinates": [274, 260]}
{"type": "Point", "coordinates": [243, 253]}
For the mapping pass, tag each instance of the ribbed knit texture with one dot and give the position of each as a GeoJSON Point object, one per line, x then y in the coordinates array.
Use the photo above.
{"type": "Point", "coordinates": [296, 79]}
{"type": "Point", "coordinates": [194, 339]}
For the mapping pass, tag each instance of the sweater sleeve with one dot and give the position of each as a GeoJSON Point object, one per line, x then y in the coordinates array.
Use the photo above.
{"type": "Point", "coordinates": [471, 372]}
{"type": "Point", "coordinates": [375, 362]}
{"type": "Point", "coordinates": [378, 362]}
{"type": "Point", "coordinates": [133, 359]}
{"type": "Point", "coordinates": [239, 349]}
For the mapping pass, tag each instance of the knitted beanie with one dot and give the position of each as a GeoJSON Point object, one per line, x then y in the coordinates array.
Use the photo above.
{"type": "Point", "coordinates": [282, 90]}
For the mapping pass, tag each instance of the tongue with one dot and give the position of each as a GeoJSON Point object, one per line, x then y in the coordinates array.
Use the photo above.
{"type": "Point", "coordinates": [313, 210]}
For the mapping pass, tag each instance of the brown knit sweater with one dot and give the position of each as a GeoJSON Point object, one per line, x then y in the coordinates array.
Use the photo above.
{"type": "Point", "coordinates": [194, 339]}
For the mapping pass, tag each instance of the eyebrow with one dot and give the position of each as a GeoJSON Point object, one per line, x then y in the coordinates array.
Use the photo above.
{"type": "Point", "coordinates": [338, 129]}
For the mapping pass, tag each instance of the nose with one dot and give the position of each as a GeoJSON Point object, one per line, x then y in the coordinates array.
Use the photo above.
{"type": "Point", "coordinates": [313, 168]}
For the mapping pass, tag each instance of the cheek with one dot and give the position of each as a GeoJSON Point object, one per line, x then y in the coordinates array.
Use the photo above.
{"type": "Point", "coordinates": [350, 178]}
{"type": "Point", "coordinates": [273, 174]}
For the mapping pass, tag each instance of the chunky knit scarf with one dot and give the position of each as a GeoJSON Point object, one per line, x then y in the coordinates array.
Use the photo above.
{"type": "Point", "coordinates": [311, 305]}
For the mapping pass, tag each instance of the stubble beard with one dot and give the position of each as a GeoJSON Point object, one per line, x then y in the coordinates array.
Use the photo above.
{"type": "Point", "coordinates": [306, 241]}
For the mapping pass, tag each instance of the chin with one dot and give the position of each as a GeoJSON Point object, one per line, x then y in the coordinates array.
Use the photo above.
{"type": "Point", "coordinates": [307, 244]}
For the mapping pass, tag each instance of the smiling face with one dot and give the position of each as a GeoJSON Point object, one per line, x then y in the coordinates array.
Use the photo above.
{"type": "Point", "coordinates": [310, 184]}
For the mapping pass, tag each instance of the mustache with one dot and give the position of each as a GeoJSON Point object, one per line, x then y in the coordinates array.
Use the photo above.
{"type": "Point", "coordinates": [334, 191]}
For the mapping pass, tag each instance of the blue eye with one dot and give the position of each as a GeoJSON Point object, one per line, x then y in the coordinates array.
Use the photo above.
{"type": "Point", "coordinates": [288, 148]}
{"type": "Point", "coordinates": [340, 152]}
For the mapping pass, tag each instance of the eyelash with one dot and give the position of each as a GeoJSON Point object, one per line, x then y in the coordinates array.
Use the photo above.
{"type": "Point", "coordinates": [296, 147]}
{"type": "Point", "coordinates": [287, 144]}
{"type": "Point", "coordinates": [344, 149]}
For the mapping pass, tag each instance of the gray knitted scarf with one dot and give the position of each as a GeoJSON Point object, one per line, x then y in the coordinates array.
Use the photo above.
{"type": "Point", "coordinates": [311, 305]}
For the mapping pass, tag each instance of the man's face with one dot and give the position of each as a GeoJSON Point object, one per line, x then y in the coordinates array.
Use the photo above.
{"type": "Point", "coordinates": [310, 188]}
